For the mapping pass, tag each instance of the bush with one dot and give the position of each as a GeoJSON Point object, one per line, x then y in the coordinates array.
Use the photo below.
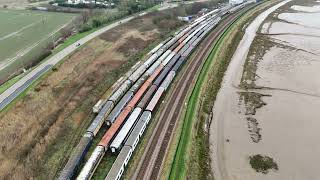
{"type": "Point", "coordinates": [81, 5]}
{"type": "Point", "coordinates": [97, 22]}
{"type": "Point", "coordinates": [85, 27]}
{"type": "Point", "coordinates": [262, 163]}
{"type": "Point", "coordinates": [37, 59]}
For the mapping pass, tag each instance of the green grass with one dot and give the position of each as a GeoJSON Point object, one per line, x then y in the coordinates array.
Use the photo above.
{"type": "Point", "coordinates": [24, 35]}
{"type": "Point", "coordinates": [9, 83]}
{"type": "Point", "coordinates": [192, 153]}
{"type": "Point", "coordinates": [179, 167]}
{"type": "Point", "coordinates": [155, 8]}
{"type": "Point", "coordinates": [34, 52]}
{"type": "Point", "coordinates": [68, 42]}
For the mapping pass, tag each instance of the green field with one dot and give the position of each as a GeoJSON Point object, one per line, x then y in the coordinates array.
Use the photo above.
{"type": "Point", "coordinates": [24, 34]}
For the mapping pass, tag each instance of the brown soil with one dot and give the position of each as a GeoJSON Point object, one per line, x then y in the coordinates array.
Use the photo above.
{"type": "Point", "coordinates": [39, 131]}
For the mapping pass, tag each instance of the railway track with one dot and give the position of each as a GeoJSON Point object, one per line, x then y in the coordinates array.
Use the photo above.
{"type": "Point", "coordinates": [151, 162]}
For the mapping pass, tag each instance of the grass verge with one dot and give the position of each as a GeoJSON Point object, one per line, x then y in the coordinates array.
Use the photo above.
{"type": "Point", "coordinates": [179, 168]}
{"type": "Point", "coordinates": [9, 83]}
{"type": "Point", "coordinates": [194, 157]}
{"type": "Point", "coordinates": [72, 39]}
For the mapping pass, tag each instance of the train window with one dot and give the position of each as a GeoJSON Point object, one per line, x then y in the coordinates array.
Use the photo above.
{"type": "Point", "coordinates": [120, 173]}
{"type": "Point", "coordinates": [127, 159]}
{"type": "Point", "coordinates": [129, 155]}
{"type": "Point", "coordinates": [142, 130]}
{"type": "Point", "coordinates": [135, 143]}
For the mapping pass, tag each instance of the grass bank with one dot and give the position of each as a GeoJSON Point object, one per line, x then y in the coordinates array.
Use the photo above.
{"type": "Point", "coordinates": [192, 152]}
{"type": "Point", "coordinates": [69, 41]}
{"type": "Point", "coordinates": [62, 99]}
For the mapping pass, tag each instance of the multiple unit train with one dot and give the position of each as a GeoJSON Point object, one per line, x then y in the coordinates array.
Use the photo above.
{"type": "Point", "coordinates": [134, 98]}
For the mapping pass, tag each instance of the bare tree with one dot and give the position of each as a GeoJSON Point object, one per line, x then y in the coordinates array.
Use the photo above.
{"type": "Point", "coordinates": [50, 46]}
{"type": "Point", "coordinates": [66, 32]}
{"type": "Point", "coordinates": [85, 16]}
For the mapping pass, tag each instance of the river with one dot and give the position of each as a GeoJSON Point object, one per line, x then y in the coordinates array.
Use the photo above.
{"type": "Point", "coordinates": [276, 115]}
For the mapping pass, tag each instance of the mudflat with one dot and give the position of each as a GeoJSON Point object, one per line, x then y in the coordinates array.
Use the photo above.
{"type": "Point", "coordinates": [268, 103]}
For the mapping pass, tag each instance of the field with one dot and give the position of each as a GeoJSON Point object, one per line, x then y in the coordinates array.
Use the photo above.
{"type": "Point", "coordinates": [41, 128]}
{"type": "Point", "coordinates": [24, 34]}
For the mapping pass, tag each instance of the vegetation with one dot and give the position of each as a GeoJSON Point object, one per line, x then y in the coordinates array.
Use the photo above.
{"type": "Point", "coordinates": [88, 21]}
{"type": "Point", "coordinates": [253, 101]}
{"type": "Point", "coordinates": [24, 40]}
{"type": "Point", "coordinates": [97, 18]}
{"type": "Point", "coordinates": [167, 17]}
{"type": "Point", "coordinates": [179, 166]}
{"type": "Point", "coordinates": [262, 163]}
{"type": "Point", "coordinates": [192, 153]}
{"type": "Point", "coordinates": [9, 83]}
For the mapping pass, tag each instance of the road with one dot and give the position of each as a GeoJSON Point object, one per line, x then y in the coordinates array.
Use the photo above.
{"type": "Point", "coordinates": [150, 165]}
{"type": "Point", "coordinates": [16, 89]}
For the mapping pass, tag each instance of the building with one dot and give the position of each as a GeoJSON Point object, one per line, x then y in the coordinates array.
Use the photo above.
{"type": "Point", "coordinates": [100, 2]}
{"type": "Point", "coordinates": [235, 2]}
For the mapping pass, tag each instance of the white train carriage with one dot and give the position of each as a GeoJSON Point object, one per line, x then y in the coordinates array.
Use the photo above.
{"type": "Point", "coordinates": [118, 166]}
{"type": "Point", "coordinates": [95, 158]}
{"type": "Point", "coordinates": [131, 121]}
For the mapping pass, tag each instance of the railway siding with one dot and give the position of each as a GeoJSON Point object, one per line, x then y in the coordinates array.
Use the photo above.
{"type": "Point", "coordinates": [169, 54]}
{"type": "Point", "coordinates": [156, 166]}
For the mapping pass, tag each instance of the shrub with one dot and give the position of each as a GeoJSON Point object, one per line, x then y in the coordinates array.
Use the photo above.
{"type": "Point", "coordinates": [262, 163]}
{"type": "Point", "coordinates": [85, 27]}
{"type": "Point", "coordinates": [97, 22]}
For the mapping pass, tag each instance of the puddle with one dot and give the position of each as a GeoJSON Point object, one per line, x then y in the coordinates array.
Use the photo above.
{"type": "Point", "coordinates": [302, 42]}
{"type": "Point", "coordinates": [286, 126]}
{"type": "Point", "coordinates": [304, 19]}
{"type": "Point", "coordinates": [281, 28]}
{"type": "Point", "coordinates": [292, 70]}
{"type": "Point", "coordinates": [230, 159]}
{"type": "Point", "coordinates": [311, 9]}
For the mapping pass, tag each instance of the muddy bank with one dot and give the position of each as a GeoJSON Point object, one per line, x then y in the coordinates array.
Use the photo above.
{"type": "Point", "coordinates": [269, 100]}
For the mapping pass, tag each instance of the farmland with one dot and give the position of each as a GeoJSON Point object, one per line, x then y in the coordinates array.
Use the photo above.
{"type": "Point", "coordinates": [24, 34]}
{"type": "Point", "coordinates": [48, 120]}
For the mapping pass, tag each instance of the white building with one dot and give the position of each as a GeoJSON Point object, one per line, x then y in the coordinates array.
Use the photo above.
{"type": "Point", "coordinates": [235, 2]}
{"type": "Point", "coordinates": [89, 2]}
{"type": "Point", "coordinates": [74, 1]}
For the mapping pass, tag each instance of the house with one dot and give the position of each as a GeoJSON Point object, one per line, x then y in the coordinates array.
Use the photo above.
{"type": "Point", "coordinates": [235, 2]}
